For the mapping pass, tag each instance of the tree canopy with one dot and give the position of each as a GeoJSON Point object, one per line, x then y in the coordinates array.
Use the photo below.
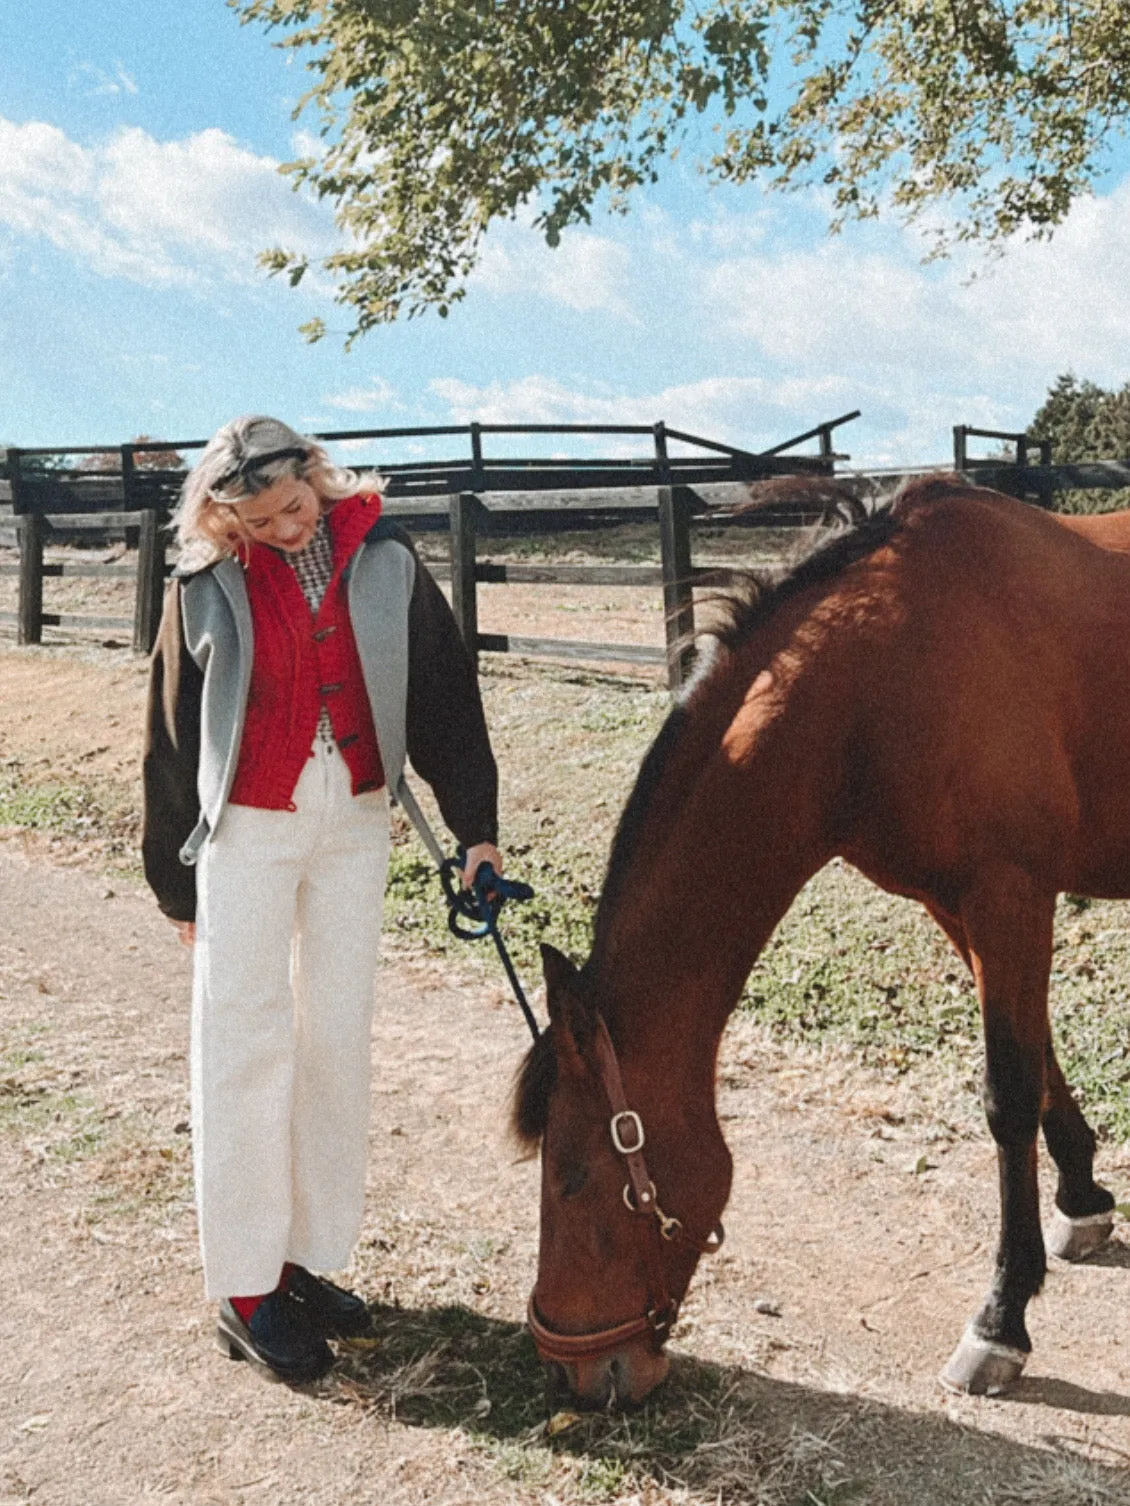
{"type": "Point", "coordinates": [439, 117]}
{"type": "Point", "coordinates": [1085, 422]}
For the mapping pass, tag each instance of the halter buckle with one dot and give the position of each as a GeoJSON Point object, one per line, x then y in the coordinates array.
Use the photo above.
{"type": "Point", "coordinates": [637, 1125]}
{"type": "Point", "coordinates": [669, 1227]}
{"type": "Point", "coordinates": [661, 1320]}
{"type": "Point", "coordinates": [647, 1196]}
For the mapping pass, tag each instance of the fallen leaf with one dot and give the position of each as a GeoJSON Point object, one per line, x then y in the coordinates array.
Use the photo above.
{"type": "Point", "coordinates": [561, 1422]}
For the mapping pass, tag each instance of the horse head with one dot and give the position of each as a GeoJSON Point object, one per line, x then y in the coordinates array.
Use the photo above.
{"type": "Point", "coordinates": [617, 1249]}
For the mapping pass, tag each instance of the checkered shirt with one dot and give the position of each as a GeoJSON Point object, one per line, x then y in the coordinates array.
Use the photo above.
{"type": "Point", "coordinates": [313, 567]}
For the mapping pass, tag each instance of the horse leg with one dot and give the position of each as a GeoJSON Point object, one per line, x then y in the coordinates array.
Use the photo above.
{"type": "Point", "coordinates": [1084, 1211]}
{"type": "Point", "coordinates": [953, 928]}
{"type": "Point", "coordinates": [1007, 924]}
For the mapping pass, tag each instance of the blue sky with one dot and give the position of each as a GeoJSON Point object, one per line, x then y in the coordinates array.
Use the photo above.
{"type": "Point", "coordinates": [138, 148]}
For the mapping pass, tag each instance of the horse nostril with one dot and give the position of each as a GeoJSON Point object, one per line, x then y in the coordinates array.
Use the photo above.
{"type": "Point", "coordinates": [557, 1387]}
{"type": "Point", "coordinates": [620, 1388]}
{"type": "Point", "coordinates": [583, 1391]}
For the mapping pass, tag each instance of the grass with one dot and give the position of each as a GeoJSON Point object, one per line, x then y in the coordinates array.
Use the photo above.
{"type": "Point", "coordinates": [44, 1106]}
{"type": "Point", "coordinates": [454, 1369]}
{"type": "Point", "coordinates": [849, 966]}
{"type": "Point", "coordinates": [91, 812]}
{"type": "Point", "coordinates": [854, 966]}
{"type": "Point", "coordinates": [60, 1122]}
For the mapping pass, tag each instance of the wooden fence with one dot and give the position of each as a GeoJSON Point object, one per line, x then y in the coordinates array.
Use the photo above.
{"type": "Point", "coordinates": [474, 499]}
{"type": "Point", "coordinates": [31, 533]}
{"type": "Point", "coordinates": [422, 495]}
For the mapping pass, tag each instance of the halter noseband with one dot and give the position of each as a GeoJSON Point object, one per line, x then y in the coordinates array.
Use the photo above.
{"type": "Point", "coordinates": [658, 1319]}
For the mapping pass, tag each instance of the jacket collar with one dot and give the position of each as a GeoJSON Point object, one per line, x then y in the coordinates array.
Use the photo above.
{"type": "Point", "coordinates": [350, 521]}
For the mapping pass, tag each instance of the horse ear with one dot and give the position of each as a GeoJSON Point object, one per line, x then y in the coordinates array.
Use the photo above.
{"type": "Point", "coordinates": [557, 967]}
{"type": "Point", "coordinates": [570, 1018]}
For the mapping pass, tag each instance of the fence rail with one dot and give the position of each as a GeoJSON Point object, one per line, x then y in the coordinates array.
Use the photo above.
{"type": "Point", "coordinates": [473, 499]}
{"type": "Point", "coordinates": [49, 501]}
{"type": "Point", "coordinates": [673, 512]}
{"type": "Point", "coordinates": [32, 533]}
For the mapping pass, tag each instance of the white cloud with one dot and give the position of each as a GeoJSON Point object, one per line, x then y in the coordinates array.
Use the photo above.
{"type": "Point", "coordinates": [377, 395]}
{"type": "Point", "coordinates": [798, 327]}
{"type": "Point", "coordinates": [587, 273]}
{"type": "Point", "coordinates": [94, 81]}
{"type": "Point", "coordinates": [1035, 310]}
{"type": "Point", "coordinates": [172, 213]}
{"type": "Point", "coordinates": [754, 411]}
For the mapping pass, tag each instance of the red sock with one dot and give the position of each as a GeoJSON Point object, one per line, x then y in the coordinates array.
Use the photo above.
{"type": "Point", "coordinates": [245, 1306]}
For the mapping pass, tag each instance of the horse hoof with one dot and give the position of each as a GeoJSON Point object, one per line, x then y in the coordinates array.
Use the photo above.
{"type": "Point", "coordinates": [978, 1367]}
{"type": "Point", "coordinates": [1076, 1238]}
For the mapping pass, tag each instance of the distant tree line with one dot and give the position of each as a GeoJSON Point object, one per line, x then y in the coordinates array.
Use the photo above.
{"type": "Point", "coordinates": [1085, 422]}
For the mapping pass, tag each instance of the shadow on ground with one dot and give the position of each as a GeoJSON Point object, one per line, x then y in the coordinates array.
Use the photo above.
{"type": "Point", "coordinates": [723, 1433]}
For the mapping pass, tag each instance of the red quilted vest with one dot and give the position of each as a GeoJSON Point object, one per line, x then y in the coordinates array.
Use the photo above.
{"type": "Point", "coordinates": [300, 662]}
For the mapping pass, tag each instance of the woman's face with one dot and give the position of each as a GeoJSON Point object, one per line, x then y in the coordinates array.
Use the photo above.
{"type": "Point", "coordinates": [283, 515]}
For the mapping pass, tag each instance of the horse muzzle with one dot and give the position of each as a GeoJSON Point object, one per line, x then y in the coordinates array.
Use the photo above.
{"type": "Point", "coordinates": [623, 1381]}
{"type": "Point", "coordinates": [618, 1366]}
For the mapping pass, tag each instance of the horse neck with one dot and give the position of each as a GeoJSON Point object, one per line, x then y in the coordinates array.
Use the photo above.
{"type": "Point", "coordinates": [722, 851]}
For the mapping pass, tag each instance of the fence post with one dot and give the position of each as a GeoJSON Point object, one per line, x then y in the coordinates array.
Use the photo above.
{"type": "Point", "coordinates": [465, 512]}
{"type": "Point", "coordinates": [31, 529]}
{"type": "Point", "coordinates": [149, 599]}
{"type": "Point", "coordinates": [15, 479]}
{"type": "Point", "coordinates": [131, 535]}
{"type": "Point", "coordinates": [675, 508]}
{"type": "Point", "coordinates": [477, 470]}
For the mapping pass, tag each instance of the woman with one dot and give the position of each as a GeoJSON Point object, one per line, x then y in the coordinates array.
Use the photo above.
{"type": "Point", "coordinates": [304, 651]}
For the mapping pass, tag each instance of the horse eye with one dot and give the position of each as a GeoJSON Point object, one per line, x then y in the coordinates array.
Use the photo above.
{"type": "Point", "coordinates": [574, 1180]}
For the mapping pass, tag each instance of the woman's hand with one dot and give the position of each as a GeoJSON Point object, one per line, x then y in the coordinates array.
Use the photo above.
{"type": "Point", "coordinates": [482, 852]}
{"type": "Point", "coordinates": [186, 931]}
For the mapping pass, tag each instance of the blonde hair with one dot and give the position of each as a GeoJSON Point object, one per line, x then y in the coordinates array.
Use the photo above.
{"type": "Point", "coordinates": [243, 458]}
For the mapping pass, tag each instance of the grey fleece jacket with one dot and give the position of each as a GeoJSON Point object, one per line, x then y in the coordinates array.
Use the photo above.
{"type": "Point", "coordinates": [421, 683]}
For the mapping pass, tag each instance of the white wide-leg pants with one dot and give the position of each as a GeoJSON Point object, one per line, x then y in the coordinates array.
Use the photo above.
{"type": "Point", "coordinates": [289, 910]}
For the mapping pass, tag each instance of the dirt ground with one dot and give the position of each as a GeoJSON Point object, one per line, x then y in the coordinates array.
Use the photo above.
{"type": "Point", "coordinates": [860, 1234]}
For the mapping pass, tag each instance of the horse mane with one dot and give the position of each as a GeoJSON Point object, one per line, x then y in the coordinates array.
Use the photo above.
{"type": "Point", "coordinates": [742, 612]}
{"type": "Point", "coordinates": [748, 601]}
{"type": "Point", "coordinates": [748, 607]}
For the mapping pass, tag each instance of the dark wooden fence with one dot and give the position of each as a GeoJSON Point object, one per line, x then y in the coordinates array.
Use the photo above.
{"type": "Point", "coordinates": [475, 498]}
{"type": "Point", "coordinates": [42, 501]}
{"type": "Point", "coordinates": [51, 503]}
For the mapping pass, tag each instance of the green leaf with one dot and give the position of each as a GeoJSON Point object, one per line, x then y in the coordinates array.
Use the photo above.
{"type": "Point", "coordinates": [440, 117]}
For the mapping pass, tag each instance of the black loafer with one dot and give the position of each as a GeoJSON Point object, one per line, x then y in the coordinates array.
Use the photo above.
{"type": "Point", "coordinates": [330, 1311]}
{"type": "Point", "coordinates": [278, 1340]}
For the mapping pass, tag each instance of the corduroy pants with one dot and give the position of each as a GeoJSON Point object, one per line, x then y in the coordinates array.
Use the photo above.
{"type": "Point", "coordinates": [289, 908]}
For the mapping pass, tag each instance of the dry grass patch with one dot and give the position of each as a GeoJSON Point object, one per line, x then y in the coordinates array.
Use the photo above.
{"type": "Point", "coordinates": [450, 1368]}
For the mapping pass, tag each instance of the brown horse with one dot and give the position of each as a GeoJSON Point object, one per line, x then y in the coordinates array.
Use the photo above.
{"type": "Point", "coordinates": [940, 697]}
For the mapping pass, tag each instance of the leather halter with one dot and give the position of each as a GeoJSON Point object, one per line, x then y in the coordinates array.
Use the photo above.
{"type": "Point", "coordinates": [640, 1198]}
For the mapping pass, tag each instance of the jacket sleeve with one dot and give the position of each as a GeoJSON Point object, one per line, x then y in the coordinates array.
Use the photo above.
{"type": "Point", "coordinates": [446, 730]}
{"type": "Point", "coordinates": [172, 752]}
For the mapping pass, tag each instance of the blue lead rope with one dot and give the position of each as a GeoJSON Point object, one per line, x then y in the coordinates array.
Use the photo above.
{"type": "Point", "coordinates": [473, 913]}
{"type": "Point", "coordinates": [478, 906]}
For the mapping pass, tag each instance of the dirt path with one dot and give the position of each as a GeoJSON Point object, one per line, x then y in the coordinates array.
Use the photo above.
{"type": "Point", "coordinates": [111, 1390]}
